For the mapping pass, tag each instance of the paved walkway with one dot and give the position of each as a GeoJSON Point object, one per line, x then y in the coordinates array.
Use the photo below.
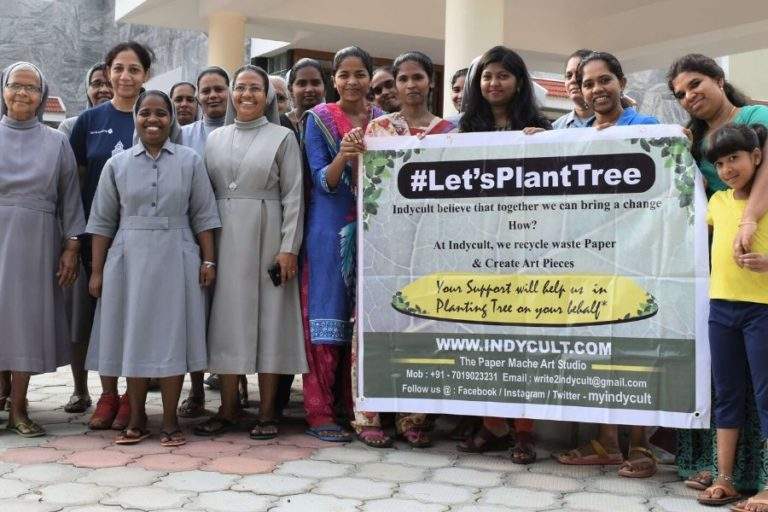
{"type": "Point", "coordinates": [74, 469]}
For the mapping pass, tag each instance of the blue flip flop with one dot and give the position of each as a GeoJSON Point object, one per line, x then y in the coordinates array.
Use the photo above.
{"type": "Point", "coordinates": [330, 433]}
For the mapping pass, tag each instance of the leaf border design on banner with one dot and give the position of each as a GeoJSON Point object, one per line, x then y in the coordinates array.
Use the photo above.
{"type": "Point", "coordinates": [675, 153]}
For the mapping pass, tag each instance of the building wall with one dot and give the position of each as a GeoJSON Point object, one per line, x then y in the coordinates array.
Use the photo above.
{"type": "Point", "coordinates": [66, 37]}
{"type": "Point", "coordinates": [747, 72]}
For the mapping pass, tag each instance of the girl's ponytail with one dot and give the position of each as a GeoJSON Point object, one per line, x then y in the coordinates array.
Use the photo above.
{"type": "Point", "coordinates": [762, 133]}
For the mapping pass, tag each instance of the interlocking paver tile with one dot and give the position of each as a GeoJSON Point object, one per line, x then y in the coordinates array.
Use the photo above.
{"type": "Point", "coordinates": [665, 474]}
{"type": "Point", "coordinates": [148, 447]}
{"type": "Point", "coordinates": [304, 441]}
{"type": "Point", "coordinates": [680, 489]}
{"type": "Point", "coordinates": [313, 469]}
{"type": "Point", "coordinates": [169, 462]}
{"type": "Point", "coordinates": [209, 449]}
{"type": "Point", "coordinates": [489, 462]}
{"type": "Point", "coordinates": [497, 508]}
{"type": "Point", "coordinates": [519, 497]}
{"type": "Point", "coordinates": [277, 485]}
{"type": "Point", "coordinates": [197, 481]}
{"type": "Point", "coordinates": [13, 488]}
{"type": "Point", "coordinates": [121, 477]}
{"type": "Point", "coordinates": [315, 503]}
{"type": "Point", "coordinates": [604, 502]}
{"type": "Point", "coordinates": [278, 453]}
{"type": "Point", "coordinates": [7, 467]}
{"type": "Point", "coordinates": [96, 459]}
{"type": "Point", "coordinates": [72, 493]}
{"type": "Point", "coordinates": [400, 505]}
{"type": "Point", "coordinates": [678, 504]}
{"type": "Point", "coordinates": [242, 438]}
{"type": "Point", "coordinates": [51, 417]}
{"type": "Point", "coordinates": [636, 486]}
{"type": "Point", "coordinates": [552, 467]}
{"type": "Point", "coordinates": [348, 455]}
{"type": "Point", "coordinates": [391, 472]}
{"type": "Point", "coordinates": [20, 505]}
{"type": "Point", "coordinates": [420, 459]}
{"type": "Point", "coordinates": [240, 465]}
{"type": "Point", "coordinates": [73, 443]}
{"type": "Point", "coordinates": [355, 488]}
{"type": "Point", "coordinates": [98, 508]}
{"type": "Point", "coordinates": [147, 498]}
{"type": "Point", "coordinates": [20, 442]}
{"type": "Point", "coordinates": [66, 429]}
{"type": "Point", "coordinates": [32, 455]}
{"type": "Point", "coordinates": [47, 473]}
{"type": "Point", "coordinates": [463, 476]}
{"type": "Point", "coordinates": [545, 482]}
{"type": "Point", "coordinates": [436, 493]}
{"type": "Point", "coordinates": [231, 501]}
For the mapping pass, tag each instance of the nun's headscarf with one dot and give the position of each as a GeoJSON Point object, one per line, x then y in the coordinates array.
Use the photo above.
{"type": "Point", "coordinates": [99, 66]}
{"type": "Point", "coordinates": [198, 108]}
{"type": "Point", "coordinates": [175, 128]}
{"type": "Point", "coordinates": [18, 66]}
{"type": "Point", "coordinates": [270, 110]}
{"type": "Point", "coordinates": [229, 115]}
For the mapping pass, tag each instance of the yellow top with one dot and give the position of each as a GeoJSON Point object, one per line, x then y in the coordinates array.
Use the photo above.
{"type": "Point", "coordinates": [728, 280]}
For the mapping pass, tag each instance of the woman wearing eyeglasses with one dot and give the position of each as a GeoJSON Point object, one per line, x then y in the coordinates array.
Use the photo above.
{"type": "Point", "coordinates": [40, 219]}
{"type": "Point", "coordinates": [255, 322]}
{"type": "Point", "coordinates": [282, 97]}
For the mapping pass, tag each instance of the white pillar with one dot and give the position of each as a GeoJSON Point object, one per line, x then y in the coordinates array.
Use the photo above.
{"type": "Point", "coordinates": [226, 40]}
{"type": "Point", "coordinates": [471, 28]}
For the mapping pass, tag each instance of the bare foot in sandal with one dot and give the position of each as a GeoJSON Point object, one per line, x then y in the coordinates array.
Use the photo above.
{"type": "Point", "coordinates": [524, 451]}
{"type": "Point", "coordinates": [757, 503]}
{"type": "Point", "coordinates": [374, 437]}
{"type": "Point", "coordinates": [721, 492]}
{"type": "Point", "coordinates": [172, 439]}
{"type": "Point", "coordinates": [484, 441]}
{"type": "Point", "coordinates": [641, 463]}
{"type": "Point", "coordinates": [416, 438]}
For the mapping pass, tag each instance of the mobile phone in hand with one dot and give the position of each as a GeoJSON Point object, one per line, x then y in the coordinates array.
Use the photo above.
{"type": "Point", "coordinates": [274, 274]}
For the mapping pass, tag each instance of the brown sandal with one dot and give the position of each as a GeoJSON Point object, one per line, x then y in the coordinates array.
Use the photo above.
{"type": "Point", "coordinates": [600, 457]}
{"type": "Point", "coordinates": [25, 428]}
{"type": "Point", "coordinates": [132, 436]}
{"type": "Point", "coordinates": [726, 498]}
{"type": "Point", "coordinates": [172, 439]}
{"type": "Point", "coordinates": [699, 480]}
{"type": "Point", "coordinates": [641, 467]}
{"type": "Point", "coordinates": [484, 441]}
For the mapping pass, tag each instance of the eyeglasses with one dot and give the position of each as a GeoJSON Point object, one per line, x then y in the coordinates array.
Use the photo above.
{"type": "Point", "coordinates": [254, 89]}
{"type": "Point", "coordinates": [99, 84]}
{"type": "Point", "coordinates": [281, 97]}
{"type": "Point", "coordinates": [29, 89]}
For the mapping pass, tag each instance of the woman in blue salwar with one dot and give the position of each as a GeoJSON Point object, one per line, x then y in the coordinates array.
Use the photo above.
{"type": "Point", "coordinates": [328, 270]}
